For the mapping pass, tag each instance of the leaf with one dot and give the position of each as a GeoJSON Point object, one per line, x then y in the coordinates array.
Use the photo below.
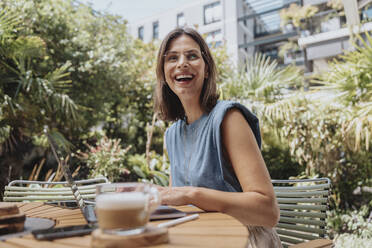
{"type": "Point", "coordinates": [60, 140]}
{"type": "Point", "coordinates": [161, 178]}
{"type": "Point", "coordinates": [139, 172]}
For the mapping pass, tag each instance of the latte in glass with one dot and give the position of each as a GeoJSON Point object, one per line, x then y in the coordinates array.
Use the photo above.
{"type": "Point", "coordinates": [125, 208]}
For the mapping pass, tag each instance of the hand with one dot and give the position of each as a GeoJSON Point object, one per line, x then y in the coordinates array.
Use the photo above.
{"type": "Point", "coordinates": [175, 196]}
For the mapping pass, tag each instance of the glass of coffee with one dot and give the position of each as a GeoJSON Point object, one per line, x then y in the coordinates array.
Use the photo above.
{"type": "Point", "coordinates": [125, 208]}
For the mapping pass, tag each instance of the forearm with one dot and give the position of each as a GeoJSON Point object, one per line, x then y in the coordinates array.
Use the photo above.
{"type": "Point", "coordinates": [250, 208]}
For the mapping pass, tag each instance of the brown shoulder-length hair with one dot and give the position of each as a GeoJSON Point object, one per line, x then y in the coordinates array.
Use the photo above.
{"type": "Point", "coordinates": [167, 103]}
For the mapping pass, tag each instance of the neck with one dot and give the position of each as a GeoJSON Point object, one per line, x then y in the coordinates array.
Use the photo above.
{"type": "Point", "coordinates": [193, 111]}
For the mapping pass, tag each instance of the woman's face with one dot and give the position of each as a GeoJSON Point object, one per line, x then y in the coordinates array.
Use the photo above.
{"type": "Point", "coordinates": [184, 68]}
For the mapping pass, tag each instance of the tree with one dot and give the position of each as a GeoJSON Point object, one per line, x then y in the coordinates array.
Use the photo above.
{"type": "Point", "coordinates": [32, 100]}
{"type": "Point", "coordinates": [70, 70]}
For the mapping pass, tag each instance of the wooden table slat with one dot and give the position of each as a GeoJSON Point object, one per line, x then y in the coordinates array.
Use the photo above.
{"type": "Point", "coordinates": [83, 241]}
{"type": "Point", "coordinates": [33, 243]}
{"type": "Point", "coordinates": [31, 205]}
{"type": "Point", "coordinates": [7, 245]}
{"type": "Point", "coordinates": [211, 241]}
{"type": "Point", "coordinates": [220, 231]}
{"type": "Point", "coordinates": [41, 209]}
{"type": "Point", "coordinates": [72, 217]}
{"type": "Point", "coordinates": [71, 222]}
{"type": "Point", "coordinates": [20, 204]}
{"type": "Point", "coordinates": [59, 213]}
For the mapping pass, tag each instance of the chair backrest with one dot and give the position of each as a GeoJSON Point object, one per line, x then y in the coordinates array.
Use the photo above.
{"type": "Point", "coordinates": [60, 191]}
{"type": "Point", "coordinates": [303, 204]}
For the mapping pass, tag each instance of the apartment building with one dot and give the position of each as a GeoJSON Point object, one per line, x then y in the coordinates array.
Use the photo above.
{"type": "Point", "coordinates": [267, 32]}
{"type": "Point", "coordinates": [250, 26]}
{"type": "Point", "coordinates": [217, 20]}
{"type": "Point", "coordinates": [319, 38]}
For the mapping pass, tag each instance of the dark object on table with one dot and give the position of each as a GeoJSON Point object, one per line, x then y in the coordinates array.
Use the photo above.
{"type": "Point", "coordinates": [62, 232]}
{"type": "Point", "coordinates": [165, 212]}
{"type": "Point", "coordinates": [11, 219]}
{"type": "Point", "coordinates": [30, 224]}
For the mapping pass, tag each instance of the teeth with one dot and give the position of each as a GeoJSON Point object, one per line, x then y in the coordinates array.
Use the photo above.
{"type": "Point", "coordinates": [183, 77]}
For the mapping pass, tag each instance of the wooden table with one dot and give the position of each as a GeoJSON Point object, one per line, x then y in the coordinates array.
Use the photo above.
{"type": "Point", "coordinates": [210, 230]}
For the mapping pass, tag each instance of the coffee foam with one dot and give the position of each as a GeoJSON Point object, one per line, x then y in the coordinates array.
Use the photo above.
{"type": "Point", "coordinates": [122, 200]}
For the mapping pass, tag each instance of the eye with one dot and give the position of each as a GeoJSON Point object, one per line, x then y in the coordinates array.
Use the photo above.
{"type": "Point", "coordinates": [192, 56]}
{"type": "Point", "coordinates": [171, 57]}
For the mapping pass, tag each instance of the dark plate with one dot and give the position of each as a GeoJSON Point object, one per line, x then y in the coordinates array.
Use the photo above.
{"type": "Point", "coordinates": [165, 212]}
{"type": "Point", "coordinates": [30, 225]}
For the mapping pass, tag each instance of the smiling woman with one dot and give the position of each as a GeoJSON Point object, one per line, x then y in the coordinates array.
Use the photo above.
{"type": "Point", "coordinates": [213, 146]}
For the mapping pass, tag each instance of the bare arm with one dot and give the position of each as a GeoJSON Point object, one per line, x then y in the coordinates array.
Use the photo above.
{"type": "Point", "coordinates": [256, 205]}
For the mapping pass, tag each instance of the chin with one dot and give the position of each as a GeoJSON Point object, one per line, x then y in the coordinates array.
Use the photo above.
{"type": "Point", "coordinates": [187, 95]}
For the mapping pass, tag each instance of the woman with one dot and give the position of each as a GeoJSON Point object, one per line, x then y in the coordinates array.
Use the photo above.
{"type": "Point", "coordinates": [213, 146]}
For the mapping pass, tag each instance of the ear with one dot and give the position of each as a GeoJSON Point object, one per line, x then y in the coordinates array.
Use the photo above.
{"type": "Point", "coordinates": [206, 74]}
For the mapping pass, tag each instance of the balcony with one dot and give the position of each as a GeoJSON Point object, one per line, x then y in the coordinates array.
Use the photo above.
{"type": "Point", "coordinates": [314, 2]}
{"type": "Point", "coordinates": [329, 34]}
{"type": "Point", "coordinates": [330, 43]}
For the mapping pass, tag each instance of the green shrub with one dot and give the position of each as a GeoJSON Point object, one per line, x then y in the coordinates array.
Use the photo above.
{"type": "Point", "coordinates": [357, 222]}
{"type": "Point", "coordinates": [109, 159]}
{"type": "Point", "coordinates": [280, 163]}
{"type": "Point", "coordinates": [349, 240]}
{"type": "Point", "coordinates": [106, 158]}
{"type": "Point", "coordinates": [156, 171]}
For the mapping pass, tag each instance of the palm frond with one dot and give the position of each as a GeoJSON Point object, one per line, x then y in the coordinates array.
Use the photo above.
{"type": "Point", "coordinates": [265, 81]}
{"type": "Point", "coordinates": [57, 77]}
{"type": "Point", "coordinates": [9, 25]}
{"type": "Point", "coordinates": [350, 80]}
{"type": "Point", "coordinates": [360, 126]}
{"type": "Point", "coordinates": [67, 105]}
{"type": "Point", "coordinates": [282, 109]}
{"type": "Point", "coordinates": [352, 75]}
{"type": "Point", "coordinates": [28, 47]}
{"type": "Point", "coordinates": [8, 102]}
{"type": "Point", "coordinates": [60, 140]}
{"type": "Point", "coordinates": [50, 92]}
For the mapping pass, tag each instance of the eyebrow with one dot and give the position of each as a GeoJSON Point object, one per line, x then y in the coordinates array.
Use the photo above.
{"type": "Point", "coordinates": [191, 50]}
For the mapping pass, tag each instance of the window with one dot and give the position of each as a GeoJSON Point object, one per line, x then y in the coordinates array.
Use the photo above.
{"type": "Point", "coordinates": [214, 39]}
{"type": "Point", "coordinates": [212, 13]}
{"type": "Point", "coordinates": [155, 30]}
{"type": "Point", "coordinates": [367, 13]}
{"type": "Point", "coordinates": [272, 52]}
{"type": "Point", "coordinates": [140, 33]}
{"type": "Point", "coordinates": [244, 14]}
{"type": "Point", "coordinates": [181, 21]}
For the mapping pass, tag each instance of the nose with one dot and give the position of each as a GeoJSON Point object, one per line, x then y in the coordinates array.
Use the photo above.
{"type": "Point", "coordinates": [182, 61]}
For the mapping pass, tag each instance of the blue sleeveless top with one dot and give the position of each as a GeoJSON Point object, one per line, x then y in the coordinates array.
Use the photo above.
{"type": "Point", "coordinates": [196, 153]}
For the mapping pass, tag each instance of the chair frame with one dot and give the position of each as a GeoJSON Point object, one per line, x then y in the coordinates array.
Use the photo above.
{"type": "Point", "coordinates": [302, 210]}
{"type": "Point", "coordinates": [87, 189]}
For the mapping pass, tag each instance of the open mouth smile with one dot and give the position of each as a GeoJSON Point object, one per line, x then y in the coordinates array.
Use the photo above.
{"type": "Point", "coordinates": [184, 77]}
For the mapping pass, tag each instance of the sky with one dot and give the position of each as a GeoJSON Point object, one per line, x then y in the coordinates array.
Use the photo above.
{"type": "Point", "coordinates": [134, 10]}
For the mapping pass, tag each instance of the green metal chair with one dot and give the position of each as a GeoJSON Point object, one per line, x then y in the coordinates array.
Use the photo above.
{"type": "Point", "coordinates": [303, 205]}
{"type": "Point", "coordinates": [36, 191]}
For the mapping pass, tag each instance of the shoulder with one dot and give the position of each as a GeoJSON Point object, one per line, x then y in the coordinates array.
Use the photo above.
{"type": "Point", "coordinates": [222, 107]}
{"type": "Point", "coordinates": [234, 120]}
{"type": "Point", "coordinates": [231, 113]}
